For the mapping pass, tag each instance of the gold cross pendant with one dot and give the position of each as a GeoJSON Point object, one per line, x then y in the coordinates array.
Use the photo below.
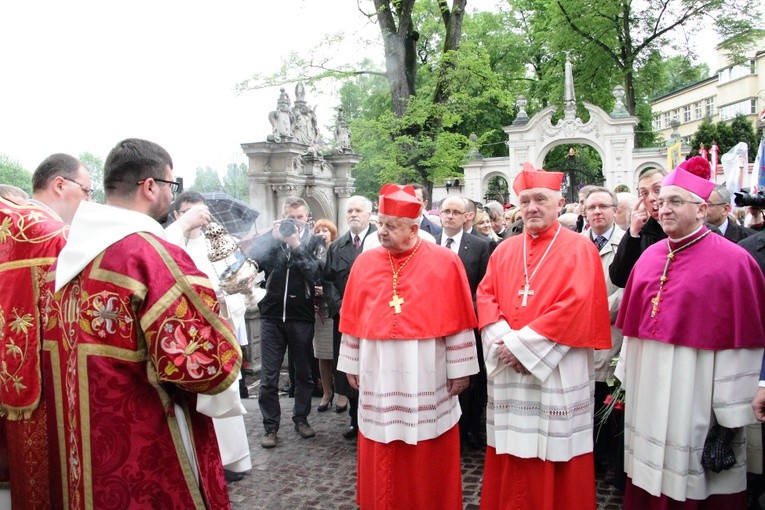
{"type": "Point", "coordinates": [396, 303]}
{"type": "Point", "coordinates": [655, 302]}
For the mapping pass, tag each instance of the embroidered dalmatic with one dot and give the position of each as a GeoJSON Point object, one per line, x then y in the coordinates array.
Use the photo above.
{"type": "Point", "coordinates": [539, 426]}
{"type": "Point", "coordinates": [408, 435]}
{"type": "Point", "coordinates": [701, 343]}
{"type": "Point", "coordinates": [30, 239]}
{"type": "Point", "coordinates": [128, 340]}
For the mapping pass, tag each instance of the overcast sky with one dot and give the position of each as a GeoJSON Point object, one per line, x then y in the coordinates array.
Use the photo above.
{"type": "Point", "coordinates": [80, 75]}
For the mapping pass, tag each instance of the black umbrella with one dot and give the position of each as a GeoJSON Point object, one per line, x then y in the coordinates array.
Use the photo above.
{"type": "Point", "coordinates": [237, 216]}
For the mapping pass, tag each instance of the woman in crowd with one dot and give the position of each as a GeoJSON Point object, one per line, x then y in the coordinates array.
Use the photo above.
{"type": "Point", "coordinates": [322, 337]}
{"type": "Point", "coordinates": [482, 224]}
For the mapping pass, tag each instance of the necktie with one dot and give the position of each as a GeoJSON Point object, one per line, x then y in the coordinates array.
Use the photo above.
{"type": "Point", "coordinates": [600, 242]}
{"type": "Point", "coordinates": [356, 242]}
{"type": "Point", "coordinates": [449, 242]}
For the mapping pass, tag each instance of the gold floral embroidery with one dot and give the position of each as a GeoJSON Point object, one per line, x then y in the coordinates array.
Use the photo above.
{"type": "Point", "coordinates": [19, 327]}
{"type": "Point", "coordinates": [5, 229]}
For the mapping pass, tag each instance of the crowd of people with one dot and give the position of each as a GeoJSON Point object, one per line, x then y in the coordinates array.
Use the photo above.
{"type": "Point", "coordinates": [622, 334]}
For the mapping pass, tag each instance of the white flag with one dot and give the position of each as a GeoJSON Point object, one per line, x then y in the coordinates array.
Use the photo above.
{"type": "Point", "coordinates": [734, 161]}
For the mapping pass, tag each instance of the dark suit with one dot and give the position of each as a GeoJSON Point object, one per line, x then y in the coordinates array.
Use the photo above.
{"type": "Point", "coordinates": [736, 232]}
{"type": "Point", "coordinates": [755, 245]}
{"type": "Point", "coordinates": [492, 243]}
{"type": "Point", "coordinates": [429, 227]}
{"type": "Point", "coordinates": [474, 253]}
{"type": "Point", "coordinates": [340, 257]}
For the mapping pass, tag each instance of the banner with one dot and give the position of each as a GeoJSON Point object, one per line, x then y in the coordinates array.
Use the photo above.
{"type": "Point", "coordinates": [734, 162]}
{"type": "Point", "coordinates": [757, 178]}
{"type": "Point", "coordinates": [674, 155]}
{"type": "Point", "coordinates": [713, 153]}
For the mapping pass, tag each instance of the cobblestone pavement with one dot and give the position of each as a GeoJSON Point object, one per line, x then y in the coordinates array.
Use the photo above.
{"type": "Point", "coordinates": [320, 472]}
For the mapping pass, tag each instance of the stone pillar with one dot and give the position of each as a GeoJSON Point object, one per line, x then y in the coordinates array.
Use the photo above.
{"type": "Point", "coordinates": [343, 193]}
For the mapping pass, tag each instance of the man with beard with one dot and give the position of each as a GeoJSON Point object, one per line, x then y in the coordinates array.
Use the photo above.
{"type": "Point", "coordinates": [131, 332]}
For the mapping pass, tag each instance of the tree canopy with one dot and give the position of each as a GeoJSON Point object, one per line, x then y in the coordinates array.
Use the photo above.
{"type": "Point", "coordinates": [11, 172]}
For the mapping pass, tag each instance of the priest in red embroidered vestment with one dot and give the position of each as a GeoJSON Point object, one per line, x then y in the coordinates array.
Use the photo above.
{"type": "Point", "coordinates": [131, 334]}
{"type": "Point", "coordinates": [542, 309]}
{"type": "Point", "coordinates": [408, 346]}
{"type": "Point", "coordinates": [694, 331]}
{"type": "Point", "coordinates": [32, 233]}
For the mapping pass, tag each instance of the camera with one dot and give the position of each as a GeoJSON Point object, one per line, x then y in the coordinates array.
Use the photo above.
{"type": "Point", "coordinates": [750, 200]}
{"type": "Point", "coordinates": [288, 227]}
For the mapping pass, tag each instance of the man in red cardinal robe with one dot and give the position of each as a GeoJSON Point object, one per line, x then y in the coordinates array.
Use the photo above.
{"type": "Point", "coordinates": [408, 346]}
{"type": "Point", "coordinates": [542, 309]}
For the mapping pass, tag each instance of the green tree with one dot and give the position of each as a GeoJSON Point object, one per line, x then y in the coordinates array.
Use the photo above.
{"type": "Point", "coordinates": [743, 131]}
{"type": "Point", "coordinates": [626, 32]}
{"type": "Point", "coordinates": [235, 182]}
{"type": "Point", "coordinates": [705, 134]}
{"type": "Point", "coordinates": [206, 180]}
{"type": "Point", "coordinates": [11, 172]}
{"type": "Point", "coordinates": [95, 167]}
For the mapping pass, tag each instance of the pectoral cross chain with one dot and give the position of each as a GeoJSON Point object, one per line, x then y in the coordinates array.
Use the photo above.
{"type": "Point", "coordinates": [526, 292]}
{"type": "Point", "coordinates": [396, 303]}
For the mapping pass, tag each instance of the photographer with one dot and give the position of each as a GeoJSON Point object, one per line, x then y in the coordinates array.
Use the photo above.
{"type": "Point", "coordinates": [755, 205]}
{"type": "Point", "coordinates": [287, 255]}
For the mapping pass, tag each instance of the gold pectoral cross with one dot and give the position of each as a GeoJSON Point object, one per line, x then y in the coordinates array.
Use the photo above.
{"type": "Point", "coordinates": [526, 292]}
{"type": "Point", "coordinates": [396, 303]}
{"type": "Point", "coordinates": [655, 302]}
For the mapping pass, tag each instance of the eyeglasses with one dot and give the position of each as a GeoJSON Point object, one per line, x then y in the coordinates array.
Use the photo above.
{"type": "Point", "coordinates": [85, 189]}
{"type": "Point", "coordinates": [452, 212]}
{"type": "Point", "coordinates": [653, 191]}
{"type": "Point", "coordinates": [713, 204]}
{"type": "Point", "coordinates": [175, 186]}
{"type": "Point", "coordinates": [673, 203]}
{"type": "Point", "coordinates": [592, 207]}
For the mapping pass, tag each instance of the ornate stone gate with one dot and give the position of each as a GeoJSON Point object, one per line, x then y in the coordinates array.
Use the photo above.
{"type": "Point", "coordinates": [611, 135]}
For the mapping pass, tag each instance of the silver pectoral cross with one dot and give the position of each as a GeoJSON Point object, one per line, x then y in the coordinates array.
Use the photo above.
{"type": "Point", "coordinates": [396, 303]}
{"type": "Point", "coordinates": [526, 292]}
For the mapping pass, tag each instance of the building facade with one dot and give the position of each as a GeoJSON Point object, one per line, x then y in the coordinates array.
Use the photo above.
{"type": "Point", "coordinates": [733, 89]}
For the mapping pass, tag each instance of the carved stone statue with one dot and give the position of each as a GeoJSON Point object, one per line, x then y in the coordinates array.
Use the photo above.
{"type": "Point", "coordinates": [305, 128]}
{"type": "Point", "coordinates": [342, 135]}
{"type": "Point", "coordinates": [281, 120]}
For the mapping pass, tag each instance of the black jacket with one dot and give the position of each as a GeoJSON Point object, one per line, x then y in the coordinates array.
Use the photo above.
{"type": "Point", "coordinates": [736, 232]}
{"type": "Point", "coordinates": [291, 275]}
{"type": "Point", "coordinates": [755, 245]}
{"type": "Point", "coordinates": [630, 249]}
{"type": "Point", "coordinates": [340, 257]}
{"type": "Point", "coordinates": [474, 254]}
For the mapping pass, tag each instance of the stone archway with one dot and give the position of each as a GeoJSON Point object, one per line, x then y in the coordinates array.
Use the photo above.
{"type": "Point", "coordinates": [611, 135]}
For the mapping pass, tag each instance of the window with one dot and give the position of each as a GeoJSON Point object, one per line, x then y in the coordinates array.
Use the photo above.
{"type": "Point", "coordinates": [657, 122]}
{"type": "Point", "coordinates": [710, 107]}
{"type": "Point", "coordinates": [697, 108]}
{"type": "Point", "coordinates": [666, 120]}
{"type": "Point", "coordinates": [745, 107]}
{"type": "Point", "coordinates": [687, 113]}
{"type": "Point", "coordinates": [735, 72]}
